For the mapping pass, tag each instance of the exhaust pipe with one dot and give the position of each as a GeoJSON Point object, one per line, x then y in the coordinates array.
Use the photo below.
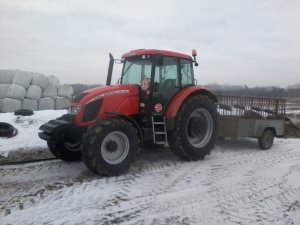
{"type": "Point", "coordinates": [110, 69]}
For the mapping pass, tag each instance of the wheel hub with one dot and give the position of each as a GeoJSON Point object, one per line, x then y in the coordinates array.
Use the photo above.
{"type": "Point", "coordinates": [111, 146]}
{"type": "Point", "coordinates": [115, 147]}
{"type": "Point", "coordinates": [199, 127]}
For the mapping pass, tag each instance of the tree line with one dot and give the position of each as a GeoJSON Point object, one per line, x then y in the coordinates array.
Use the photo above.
{"type": "Point", "coordinates": [262, 91]}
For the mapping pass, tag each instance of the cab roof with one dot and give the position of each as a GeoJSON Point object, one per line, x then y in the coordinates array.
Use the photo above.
{"type": "Point", "coordinates": [138, 52]}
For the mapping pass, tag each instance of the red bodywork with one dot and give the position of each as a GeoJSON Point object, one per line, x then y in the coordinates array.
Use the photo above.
{"type": "Point", "coordinates": [179, 98]}
{"type": "Point", "coordinates": [122, 99]}
{"type": "Point", "coordinates": [155, 52]}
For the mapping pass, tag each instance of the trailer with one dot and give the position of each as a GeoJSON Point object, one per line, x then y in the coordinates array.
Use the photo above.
{"type": "Point", "coordinates": [255, 117]}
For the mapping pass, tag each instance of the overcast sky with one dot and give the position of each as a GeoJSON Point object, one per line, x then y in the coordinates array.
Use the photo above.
{"type": "Point", "coordinates": [254, 42]}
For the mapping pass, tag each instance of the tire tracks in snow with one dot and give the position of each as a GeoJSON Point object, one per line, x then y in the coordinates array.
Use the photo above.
{"type": "Point", "coordinates": [160, 189]}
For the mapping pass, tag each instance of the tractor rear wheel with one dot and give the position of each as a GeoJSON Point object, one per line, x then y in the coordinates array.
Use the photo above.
{"type": "Point", "coordinates": [195, 130]}
{"type": "Point", "coordinates": [110, 147]}
{"type": "Point", "coordinates": [66, 151]}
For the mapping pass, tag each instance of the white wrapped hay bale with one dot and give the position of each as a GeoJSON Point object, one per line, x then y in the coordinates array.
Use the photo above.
{"type": "Point", "coordinates": [34, 92]}
{"type": "Point", "coordinates": [46, 103]}
{"type": "Point", "coordinates": [39, 80]}
{"type": "Point", "coordinates": [9, 105]}
{"type": "Point", "coordinates": [61, 103]}
{"type": "Point", "coordinates": [3, 90]}
{"type": "Point", "coordinates": [22, 78]}
{"type": "Point", "coordinates": [53, 81]}
{"type": "Point", "coordinates": [65, 91]}
{"type": "Point", "coordinates": [31, 104]}
{"type": "Point", "coordinates": [6, 76]}
{"type": "Point", "coordinates": [50, 92]}
{"type": "Point", "coordinates": [16, 91]}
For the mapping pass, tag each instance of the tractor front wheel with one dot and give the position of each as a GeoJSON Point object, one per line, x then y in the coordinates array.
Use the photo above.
{"type": "Point", "coordinates": [195, 130]}
{"type": "Point", "coordinates": [66, 151]}
{"type": "Point", "coordinates": [110, 147]}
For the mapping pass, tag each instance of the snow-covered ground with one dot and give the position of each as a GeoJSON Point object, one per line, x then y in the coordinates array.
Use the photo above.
{"type": "Point", "coordinates": [27, 126]}
{"type": "Point", "coordinates": [236, 184]}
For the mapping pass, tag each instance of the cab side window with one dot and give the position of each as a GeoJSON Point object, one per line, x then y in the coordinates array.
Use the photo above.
{"type": "Point", "coordinates": [186, 70]}
{"type": "Point", "coordinates": [167, 71]}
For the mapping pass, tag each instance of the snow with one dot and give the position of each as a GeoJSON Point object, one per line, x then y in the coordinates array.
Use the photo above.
{"type": "Point", "coordinates": [236, 184]}
{"type": "Point", "coordinates": [28, 127]}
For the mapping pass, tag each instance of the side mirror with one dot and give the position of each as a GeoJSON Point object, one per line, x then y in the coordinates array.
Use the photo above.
{"type": "Point", "coordinates": [194, 54]}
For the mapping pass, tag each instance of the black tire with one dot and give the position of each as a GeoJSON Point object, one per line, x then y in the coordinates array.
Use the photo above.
{"type": "Point", "coordinates": [110, 147]}
{"type": "Point", "coordinates": [6, 129]}
{"type": "Point", "coordinates": [65, 151]}
{"type": "Point", "coordinates": [23, 112]}
{"type": "Point", "coordinates": [266, 140]}
{"type": "Point", "coordinates": [187, 141]}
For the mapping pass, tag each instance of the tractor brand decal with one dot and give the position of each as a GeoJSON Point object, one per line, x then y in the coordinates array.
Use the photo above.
{"type": "Point", "coordinates": [118, 92]}
{"type": "Point", "coordinates": [158, 107]}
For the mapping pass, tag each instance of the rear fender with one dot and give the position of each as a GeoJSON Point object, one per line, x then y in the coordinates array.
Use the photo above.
{"type": "Point", "coordinates": [176, 102]}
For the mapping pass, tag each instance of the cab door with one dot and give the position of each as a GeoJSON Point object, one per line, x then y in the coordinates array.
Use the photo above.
{"type": "Point", "coordinates": [170, 76]}
{"type": "Point", "coordinates": [166, 81]}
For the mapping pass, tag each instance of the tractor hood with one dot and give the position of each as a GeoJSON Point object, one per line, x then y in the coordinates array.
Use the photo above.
{"type": "Point", "coordinates": [97, 103]}
{"type": "Point", "coordinates": [105, 91]}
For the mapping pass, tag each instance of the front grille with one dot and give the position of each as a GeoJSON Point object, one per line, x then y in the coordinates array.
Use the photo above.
{"type": "Point", "coordinates": [91, 110]}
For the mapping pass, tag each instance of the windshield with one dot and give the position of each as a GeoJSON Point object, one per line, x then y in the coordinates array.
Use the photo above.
{"type": "Point", "coordinates": [136, 69]}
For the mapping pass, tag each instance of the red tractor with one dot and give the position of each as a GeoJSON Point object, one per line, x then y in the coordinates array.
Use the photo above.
{"type": "Point", "coordinates": [156, 103]}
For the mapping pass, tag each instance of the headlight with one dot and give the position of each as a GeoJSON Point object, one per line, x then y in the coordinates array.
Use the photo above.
{"type": "Point", "coordinates": [73, 110]}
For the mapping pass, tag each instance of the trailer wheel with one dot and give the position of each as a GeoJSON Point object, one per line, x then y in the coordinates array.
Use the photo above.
{"type": "Point", "coordinates": [66, 151]}
{"type": "Point", "coordinates": [110, 147]}
{"type": "Point", "coordinates": [266, 140]}
{"type": "Point", "coordinates": [196, 127]}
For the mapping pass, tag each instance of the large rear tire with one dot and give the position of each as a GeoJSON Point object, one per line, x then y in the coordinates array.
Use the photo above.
{"type": "Point", "coordinates": [66, 151]}
{"type": "Point", "coordinates": [110, 147]}
{"type": "Point", "coordinates": [196, 126]}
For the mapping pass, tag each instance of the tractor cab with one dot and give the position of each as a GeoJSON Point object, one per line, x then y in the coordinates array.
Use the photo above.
{"type": "Point", "coordinates": [159, 74]}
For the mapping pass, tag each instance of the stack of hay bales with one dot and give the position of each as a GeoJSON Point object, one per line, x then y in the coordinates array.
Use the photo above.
{"type": "Point", "coordinates": [34, 91]}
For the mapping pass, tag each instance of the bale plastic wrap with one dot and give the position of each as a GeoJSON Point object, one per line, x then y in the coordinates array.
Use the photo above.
{"type": "Point", "coordinates": [53, 81]}
{"type": "Point", "coordinates": [16, 91]}
{"type": "Point", "coordinates": [34, 92]}
{"type": "Point", "coordinates": [3, 90]}
{"type": "Point", "coordinates": [39, 80]}
{"type": "Point", "coordinates": [50, 92]}
{"type": "Point", "coordinates": [61, 103]}
{"type": "Point", "coordinates": [22, 78]}
{"type": "Point", "coordinates": [30, 104]}
{"type": "Point", "coordinates": [9, 105]}
{"type": "Point", "coordinates": [6, 76]}
{"type": "Point", "coordinates": [65, 91]}
{"type": "Point", "coordinates": [46, 103]}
